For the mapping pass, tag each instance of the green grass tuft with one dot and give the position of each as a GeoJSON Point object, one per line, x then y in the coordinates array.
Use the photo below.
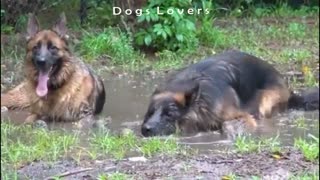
{"type": "Point", "coordinates": [120, 146]}
{"type": "Point", "coordinates": [155, 145]}
{"type": "Point", "coordinates": [21, 144]}
{"type": "Point", "coordinates": [111, 44]}
{"type": "Point", "coordinates": [114, 176]}
{"type": "Point", "coordinates": [247, 144]}
{"type": "Point", "coordinates": [117, 146]}
{"type": "Point", "coordinates": [309, 149]}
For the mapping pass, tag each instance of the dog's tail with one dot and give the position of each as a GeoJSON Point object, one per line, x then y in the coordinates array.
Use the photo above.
{"type": "Point", "coordinates": [307, 100]}
{"type": "Point", "coordinates": [16, 98]}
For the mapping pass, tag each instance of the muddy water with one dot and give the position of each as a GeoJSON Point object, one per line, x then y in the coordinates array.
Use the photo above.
{"type": "Point", "coordinates": [127, 98]}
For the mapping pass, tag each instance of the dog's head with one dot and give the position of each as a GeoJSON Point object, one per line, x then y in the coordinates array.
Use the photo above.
{"type": "Point", "coordinates": [46, 50]}
{"type": "Point", "coordinates": [165, 110]}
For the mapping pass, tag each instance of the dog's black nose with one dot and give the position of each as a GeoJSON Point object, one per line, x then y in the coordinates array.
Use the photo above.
{"type": "Point", "coordinates": [146, 130]}
{"type": "Point", "coordinates": [41, 61]}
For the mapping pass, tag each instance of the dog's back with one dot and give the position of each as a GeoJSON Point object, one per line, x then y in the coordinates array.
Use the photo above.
{"type": "Point", "coordinates": [243, 72]}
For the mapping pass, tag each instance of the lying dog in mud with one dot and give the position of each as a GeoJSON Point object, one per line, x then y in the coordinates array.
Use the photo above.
{"type": "Point", "coordinates": [229, 86]}
{"type": "Point", "coordinates": [57, 86]}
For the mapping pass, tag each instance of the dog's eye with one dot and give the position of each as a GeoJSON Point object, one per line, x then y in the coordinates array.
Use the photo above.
{"type": "Point", "coordinates": [169, 112]}
{"type": "Point", "coordinates": [37, 46]}
{"type": "Point", "coordinates": [53, 48]}
{"type": "Point", "coordinates": [172, 106]}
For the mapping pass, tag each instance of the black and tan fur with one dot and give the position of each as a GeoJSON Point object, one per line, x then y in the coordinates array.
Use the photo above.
{"type": "Point", "coordinates": [229, 86]}
{"type": "Point", "coordinates": [74, 91]}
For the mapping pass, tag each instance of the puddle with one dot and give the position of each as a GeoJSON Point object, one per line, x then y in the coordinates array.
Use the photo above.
{"type": "Point", "coordinates": [127, 98]}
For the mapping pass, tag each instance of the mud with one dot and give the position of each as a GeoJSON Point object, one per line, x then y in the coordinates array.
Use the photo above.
{"type": "Point", "coordinates": [128, 98]}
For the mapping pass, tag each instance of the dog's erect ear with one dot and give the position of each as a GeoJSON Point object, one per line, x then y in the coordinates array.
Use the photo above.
{"type": "Point", "coordinates": [156, 91]}
{"type": "Point", "coordinates": [192, 94]}
{"type": "Point", "coordinates": [61, 26]}
{"type": "Point", "coordinates": [32, 27]}
{"type": "Point", "coordinates": [185, 97]}
{"type": "Point", "coordinates": [180, 98]}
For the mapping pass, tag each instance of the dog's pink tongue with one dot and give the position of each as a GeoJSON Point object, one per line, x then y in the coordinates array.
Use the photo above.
{"type": "Point", "coordinates": [42, 88]}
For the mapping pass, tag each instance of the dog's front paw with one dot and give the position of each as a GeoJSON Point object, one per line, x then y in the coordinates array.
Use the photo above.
{"type": "Point", "coordinates": [41, 124]}
{"type": "Point", "coordinates": [4, 109]}
{"type": "Point", "coordinates": [234, 128]}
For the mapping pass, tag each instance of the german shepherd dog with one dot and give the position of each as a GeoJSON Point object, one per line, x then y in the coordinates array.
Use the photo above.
{"type": "Point", "coordinates": [229, 86]}
{"type": "Point", "coordinates": [57, 85]}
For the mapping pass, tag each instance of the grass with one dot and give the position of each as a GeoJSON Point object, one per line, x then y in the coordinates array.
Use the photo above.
{"type": "Point", "coordinates": [248, 144]}
{"type": "Point", "coordinates": [114, 176]}
{"type": "Point", "coordinates": [168, 59]}
{"type": "Point", "coordinates": [305, 176]}
{"type": "Point", "coordinates": [22, 144]}
{"type": "Point", "coordinates": [300, 176]}
{"type": "Point", "coordinates": [285, 11]}
{"type": "Point", "coordinates": [309, 149]}
{"type": "Point", "coordinates": [112, 44]}
{"type": "Point", "coordinates": [294, 55]}
{"type": "Point", "coordinates": [297, 30]}
{"type": "Point", "coordinates": [300, 122]}
{"type": "Point", "coordinates": [230, 177]}
{"type": "Point", "coordinates": [210, 35]}
{"type": "Point", "coordinates": [310, 80]}
{"type": "Point", "coordinates": [117, 146]}
{"type": "Point", "coordinates": [156, 145]}
{"type": "Point", "coordinates": [120, 146]}
{"type": "Point", "coordinates": [8, 173]}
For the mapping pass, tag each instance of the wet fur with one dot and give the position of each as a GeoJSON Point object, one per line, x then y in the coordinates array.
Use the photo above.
{"type": "Point", "coordinates": [75, 92]}
{"type": "Point", "coordinates": [229, 86]}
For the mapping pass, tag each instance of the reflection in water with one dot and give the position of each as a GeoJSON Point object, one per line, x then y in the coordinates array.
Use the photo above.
{"type": "Point", "coordinates": [127, 99]}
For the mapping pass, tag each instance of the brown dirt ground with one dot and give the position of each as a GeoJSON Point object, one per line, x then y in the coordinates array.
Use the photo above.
{"type": "Point", "coordinates": [212, 166]}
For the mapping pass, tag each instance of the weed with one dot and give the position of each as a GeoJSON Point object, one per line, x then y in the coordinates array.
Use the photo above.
{"type": "Point", "coordinates": [273, 32]}
{"type": "Point", "coordinates": [230, 177]}
{"type": "Point", "coordinates": [24, 144]}
{"type": "Point", "coordinates": [306, 176]}
{"type": "Point", "coordinates": [297, 30]}
{"type": "Point", "coordinates": [207, 34]}
{"type": "Point", "coordinates": [114, 176]}
{"type": "Point", "coordinates": [168, 31]}
{"type": "Point", "coordinates": [111, 43]}
{"type": "Point", "coordinates": [155, 145]}
{"type": "Point", "coordinates": [284, 10]}
{"type": "Point", "coordinates": [273, 144]}
{"type": "Point", "coordinates": [309, 79]}
{"type": "Point", "coordinates": [8, 173]}
{"type": "Point", "coordinates": [300, 122]}
{"type": "Point", "coordinates": [84, 152]}
{"type": "Point", "coordinates": [255, 178]}
{"type": "Point", "coordinates": [100, 14]}
{"type": "Point", "coordinates": [119, 146]}
{"type": "Point", "coordinates": [262, 12]}
{"type": "Point", "coordinates": [245, 144]}
{"type": "Point", "coordinates": [294, 55]}
{"type": "Point", "coordinates": [310, 150]}
{"type": "Point", "coordinates": [7, 29]}
{"type": "Point", "coordinates": [168, 59]}
{"type": "Point", "coordinates": [212, 36]}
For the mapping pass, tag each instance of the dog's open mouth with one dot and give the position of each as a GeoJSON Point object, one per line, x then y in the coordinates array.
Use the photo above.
{"type": "Point", "coordinates": [42, 86]}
